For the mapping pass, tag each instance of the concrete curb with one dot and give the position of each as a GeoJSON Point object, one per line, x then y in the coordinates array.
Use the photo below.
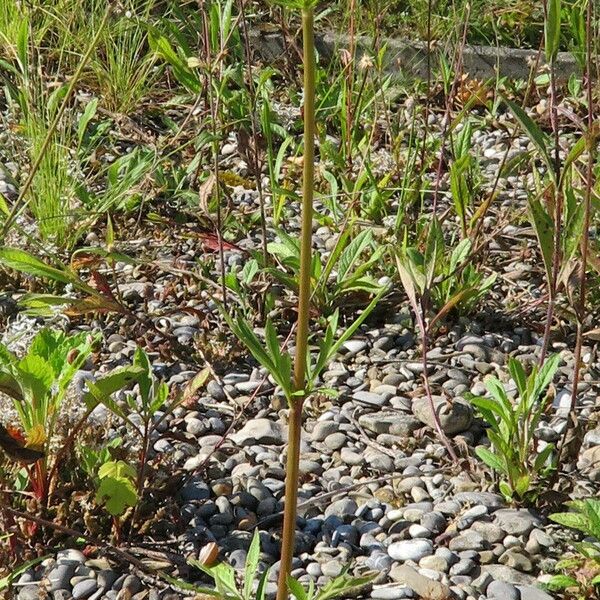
{"type": "Point", "coordinates": [404, 58]}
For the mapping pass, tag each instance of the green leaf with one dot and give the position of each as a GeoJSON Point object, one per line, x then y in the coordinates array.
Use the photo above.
{"type": "Point", "coordinates": [561, 582]}
{"type": "Point", "coordinates": [296, 588]}
{"type": "Point", "coordinates": [544, 230]}
{"type": "Point", "coordinates": [37, 376]}
{"type": "Point", "coordinates": [518, 375]}
{"type": "Point", "coordinates": [532, 131]}
{"type": "Point", "coordinates": [251, 565]}
{"type": "Point", "coordinates": [491, 460]}
{"type": "Point", "coordinates": [505, 490]}
{"type": "Point", "coordinates": [116, 494]}
{"type": "Point", "coordinates": [117, 469]}
{"type": "Point", "coordinates": [552, 29]}
{"type": "Point", "coordinates": [118, 379]}
{"type": "Point", "coordinates": [522, 484]}
{"type": "Point", "coordinates": [22, 261]}
{"type": "Point", "coordinates": [86, 117]}
{"type": "Point", "coordinates": [572, 520]}
{"type": "Point", "coordinates": [352, 253]}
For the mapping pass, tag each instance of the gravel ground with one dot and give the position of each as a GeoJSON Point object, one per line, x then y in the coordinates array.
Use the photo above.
{"type": "Point", "coordinates": [377, 489]}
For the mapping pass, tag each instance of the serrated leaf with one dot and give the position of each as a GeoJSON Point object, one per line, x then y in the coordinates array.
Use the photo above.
{"type": "Point", "coordinates": [116, 494]}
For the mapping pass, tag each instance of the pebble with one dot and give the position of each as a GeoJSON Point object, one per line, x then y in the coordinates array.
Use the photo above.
{"type": "Point", "coordinates": [499, 590]}
{"type": "Point", "coordinates": [413, 550]}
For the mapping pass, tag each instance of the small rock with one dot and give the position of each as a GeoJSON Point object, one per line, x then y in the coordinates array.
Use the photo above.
{"type": "Point", "coordinates": [260, 432]}
{"type": "Point", "coordinates": [422, 586]}
{"type": "Point", "coordinates": [346, 507]}
{"type": "Point", "coordinates": [393, 423]}
{"type": "Point", "coordinates": [469, 540]}
{"type": "Point", "coordinates": [517, 521]}
{"type": "Point", "coordinates": [454, 415]}
{"type": "Point", "coordinates": [413, 550]}
{"type": "Point", "coordinates": [84, 589]}
{"type": "Point", "coordinates": [499, 590]}
{"type": "Point", "coordinates": [530, 592]}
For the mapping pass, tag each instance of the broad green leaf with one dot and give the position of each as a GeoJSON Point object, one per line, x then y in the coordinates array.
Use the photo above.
{"type": "Point", "coordinates": [117, 469]}
{"type": "Point", "coordinates": [118, 379]}
{"type": "Point", "coordinates": [572, 520]}
{"type": "Point", "coordinates": [491, 459]}
{"type": "Point", "coordinates": [116, 494]}
{"type": "Point", "coordinates": [522, 484]}
{"type": "Point", "coordinates": [561, 582]}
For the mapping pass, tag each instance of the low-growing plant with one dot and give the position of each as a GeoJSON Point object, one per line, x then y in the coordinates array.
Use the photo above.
{"type": "Point", "coordinates": [252, 585]}
{"type": "Point", "coordinates": [514, 454]}
{"type": "Point", "coordinates": [444, 278]}
{"type": "Point", "coordinates": [345, 271]}
{"type": "Point", "coordinates": [140, 407]}
{"type": "Point", "coordinates": [580, 577]}
{"type": "Point", "coordinates": [38, 384]}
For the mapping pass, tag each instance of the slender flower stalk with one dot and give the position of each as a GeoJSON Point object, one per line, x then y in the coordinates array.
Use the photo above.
{"type": "Point", "coordinates": [300, 359]}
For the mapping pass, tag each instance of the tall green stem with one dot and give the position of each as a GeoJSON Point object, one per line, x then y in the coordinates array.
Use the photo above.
{"type": "Point", "coordinates": [300, 359]}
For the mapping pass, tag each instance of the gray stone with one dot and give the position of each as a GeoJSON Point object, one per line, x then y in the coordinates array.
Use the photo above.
{"type": "Point", "coordinates": [530, 592]}
{"type": "Point", "coordinates": [500, 590]}
{"type": "Point", "coordinates": [454, 415]}
{"type": "Point", "coordinates": [486, 498]}
{"type": "Point", "coordinates": [70, 555]}
{"type": "Point", "coordinates": [391, 592]}
{"type": "Point", "coordinates": [469, 540]}
{"type": "Point", "coordinates": [195, 489]}
{"type": "Point", "coordinates": [60, 576]}
{"type": "Point", "coordinates": [322, 429]}
{"type": "Point", "coordinates": [260, 432]}
{"type": "Point", "coordinates": [507, 574]}
{"type": "Point", "coordinates": [517, 521]}
{"type": "Point", "coordinates": [106, 578]}
{"type": "Point", "coordinates": [413, 550]}
{"type": "Point", "coordinates": [84, 589]}
{"type": "Point", "coordinates": [394, 423]}
{"type": "Point", "coordinates": [370, 398]}
{"type": "Point", "coordinates": [516, 560]}
{"type": "Point", "coordinates": [335, 441]}
{"type": "Point", "coordinates": [421, 585]}
{"type": "Point", "coordinates": [32, 592]}
{"type": "Point", "coordinates": [346, 507]}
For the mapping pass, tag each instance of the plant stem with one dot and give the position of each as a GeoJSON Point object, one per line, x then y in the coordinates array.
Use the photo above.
{"type": "Point", "coordinates": [558, 209]}
{"type": "Point", "coordinates": [580, 309]}
{"type": "Point", "coordinates": [300, 358]}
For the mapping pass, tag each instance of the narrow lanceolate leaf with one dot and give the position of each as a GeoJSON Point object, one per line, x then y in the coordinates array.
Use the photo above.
{"type": "Point", "coordinates": [544, 230]}
{"type": "Point", "coordinates": [552, 29]}
{"type": "Point", "coordinates": [22, 261]}
{"type": "Point", "coordinates": [533, 132]}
